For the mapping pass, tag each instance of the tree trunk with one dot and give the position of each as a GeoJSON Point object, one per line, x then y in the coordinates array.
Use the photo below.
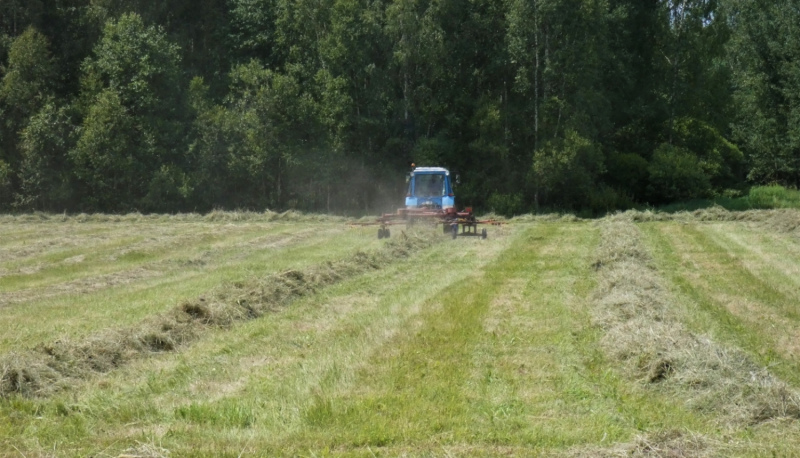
{"type": "Point", "coordinates": [536, 76]}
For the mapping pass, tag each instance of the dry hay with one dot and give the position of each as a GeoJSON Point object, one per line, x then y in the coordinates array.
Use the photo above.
{"type": "Point", "coordinates": [782, 220]}
{"type": "Point", "coordinates": [150, 269]}
{"type": "Point", "coordinates": [214, 216]}
{"type": "Point", "coordinates": [48, 368]}
{"type": "Point", "coordinates": [785, 220]}
{"type": "Point", "coordinates": [661, 444]}
{"type": "Point", "coordinates": [83, 285]}
{"type": "Point", "coordinates": [644, 332]}
{"type": "Point", "coordinates": [145, 451]}
{"type": "Point", "coordinates": [547, 218]}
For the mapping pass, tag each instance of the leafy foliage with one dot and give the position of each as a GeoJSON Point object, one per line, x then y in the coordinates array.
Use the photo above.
{"type": "Point", "coordinates": [765, 56]}
{"type": "Point", "coordinates": [5, 185]}
{"type": "Point", "coordinates": [29, 74]}
{"type": "Point", "coordinates": [566, 171]}
{"type": "Point", "coordinates": [677, 174]}
{"type": "Point", "coordinates": [581, 104]}
{"type": "Point", "coordinates": [111, 154]}
{"type": "Point", "coordinates": [25, 87]}
{"type": "Point", "coordinates": [45, 171]}
{"type": "Point", "coordinates": [133, 126]}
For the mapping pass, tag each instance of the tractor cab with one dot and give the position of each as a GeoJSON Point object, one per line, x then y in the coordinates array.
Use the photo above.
{"type": "Point", "coordinates": [430, 198]}
{"type": "Point", "coordinates": [430, 187]}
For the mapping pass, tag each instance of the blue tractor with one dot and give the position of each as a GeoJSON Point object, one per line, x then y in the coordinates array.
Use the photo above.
{"type": "Point", "coordinates": [430, 188]}
{"type": "Point", "coordinates": [430, 197]}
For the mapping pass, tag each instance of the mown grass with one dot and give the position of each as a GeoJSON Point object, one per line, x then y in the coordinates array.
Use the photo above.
{"type": "Point", "coordinates": [468, 348]}
{"type": "Point", "coordinates": [267, 369]}
{"type": "Point", "coordinates": [734, 282]}
{"type": "Point", "coordinates": [185, 261]}
{"type": "Point", "coordinates": [65, 257]}
{"type": "Point", "coordinates": [494, 354]}
{"type": "Point", "coordinates": [747, 305]}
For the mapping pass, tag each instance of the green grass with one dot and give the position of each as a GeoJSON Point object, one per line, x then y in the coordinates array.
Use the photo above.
{"type": "Point", "coordinates": [467, 348]}
{"type": "Point", "coordinates": [757, 197]}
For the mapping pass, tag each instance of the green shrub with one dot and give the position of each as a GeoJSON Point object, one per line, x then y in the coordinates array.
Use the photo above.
{"type": "Point", "coordinates": [566, 170]}
{"type": "Point", "coordinates": [5, 184]}
{"type": "Point", "coordinates": [759, 197]}
{"type": "Point", "coordinates": [721, 160]}
{"type": "Point", "coordinates": [507, 204]}
{"type": "Point", "coordinates": [168, 191]}
{"type": "Point", "coordinates": [605, 199]}
{"type": "Point", "coordinates": [627, 171]}
{"type": "Point", "coordinates": [774, 196]}
{"type": "Point", "coordinates": [676, 174]}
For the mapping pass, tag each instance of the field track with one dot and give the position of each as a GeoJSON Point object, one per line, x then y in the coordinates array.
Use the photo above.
{"type": "Point", "coordinates": [635, 335]}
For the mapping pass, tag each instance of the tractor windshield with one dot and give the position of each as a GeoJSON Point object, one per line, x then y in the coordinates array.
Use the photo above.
{"type": "Point", "coordinates": [429, 185]}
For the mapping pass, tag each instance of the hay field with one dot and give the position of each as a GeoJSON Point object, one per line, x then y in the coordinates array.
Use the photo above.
{"type": "Point", "coordinates": [242, 334]}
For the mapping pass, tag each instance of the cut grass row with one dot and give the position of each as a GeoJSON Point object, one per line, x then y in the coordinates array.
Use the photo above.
{"type": "Point", "coordinates": [468, 348]}
{"type": "Point", "coordinates": [264, 370]}
{"type": "Point", "coordinates": [64, 257]}
{"type": "Point", "coordinates": [44, 370]}
{"type": "Point", "coordinates": [736, 282]}
{"type": "Point", "coordinates": [741, 285]}
{"type": "Point", "coordinates": [493, 355]}
{"type": "Point", "coordinates": [106, 293]}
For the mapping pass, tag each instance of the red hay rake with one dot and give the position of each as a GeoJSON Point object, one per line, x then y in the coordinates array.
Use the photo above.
{"type": "Point", "coordinates": [450, 219]}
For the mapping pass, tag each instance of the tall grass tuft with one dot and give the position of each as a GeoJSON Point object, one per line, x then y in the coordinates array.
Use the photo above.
{"type": "Point", "coordinates": [757, 197]}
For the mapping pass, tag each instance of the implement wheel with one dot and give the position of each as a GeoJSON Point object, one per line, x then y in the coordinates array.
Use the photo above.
{"type": "Point", "coordinates": [455, 230]}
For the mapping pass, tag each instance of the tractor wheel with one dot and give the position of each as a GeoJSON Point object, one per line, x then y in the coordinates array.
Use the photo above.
{"type": "Point", "coordinates": [483, 234]}
{"type": "Point", "coordinates": [455, 231]}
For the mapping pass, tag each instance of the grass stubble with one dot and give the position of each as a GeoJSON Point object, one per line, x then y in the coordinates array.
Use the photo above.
{"type": "Point", "coordinates": [744, 283]}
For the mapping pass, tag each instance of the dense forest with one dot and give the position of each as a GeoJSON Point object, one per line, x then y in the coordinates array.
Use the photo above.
{"type": "Point", "coordinates": [320, 105]}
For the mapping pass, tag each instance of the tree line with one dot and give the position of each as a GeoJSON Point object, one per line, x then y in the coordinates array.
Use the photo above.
{"type": "Point", "coordinates": [320, 105]}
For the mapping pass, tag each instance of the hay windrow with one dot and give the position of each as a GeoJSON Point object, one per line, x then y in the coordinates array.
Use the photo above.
{"type": "Point", "coordinates": [214, 216]}
{"type": "Point", "coordinates": [142, 450]}
{"type": "Point", "coordinates": [48, 368]}
{"type": "Point", "coordinates": [546, 218]}
{"type": "Point", "coordinates": [666, 444]}
{"type": "Point", "coordinates": [645, 334]}
{"type": "Point", "coordinates": [784, 220]}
